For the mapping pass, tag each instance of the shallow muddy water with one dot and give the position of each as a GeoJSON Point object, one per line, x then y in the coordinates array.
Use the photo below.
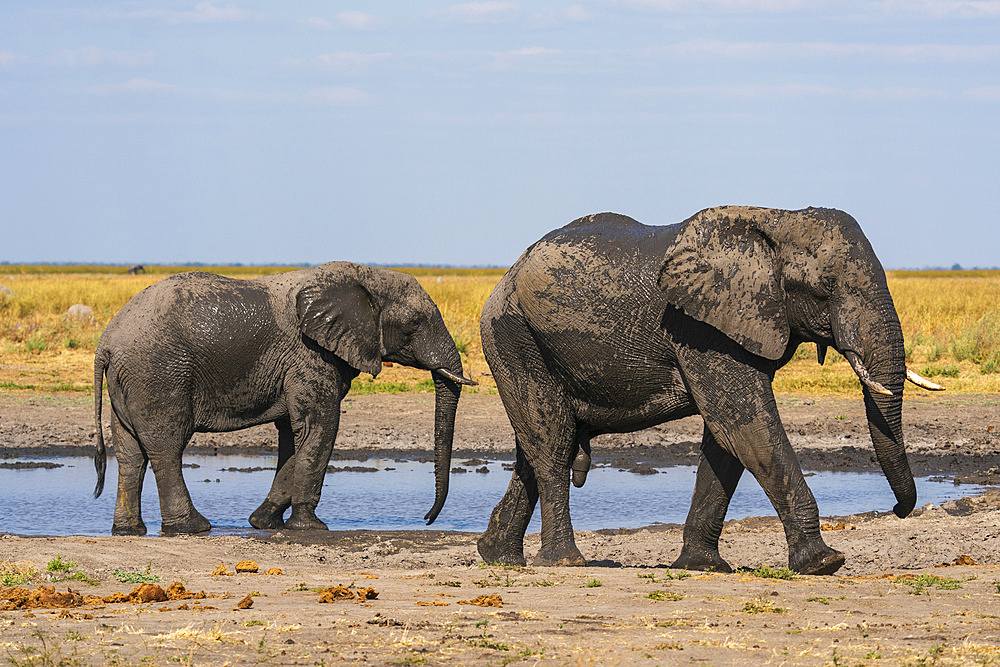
{"type": "Point", "coordinates": [58, 501]}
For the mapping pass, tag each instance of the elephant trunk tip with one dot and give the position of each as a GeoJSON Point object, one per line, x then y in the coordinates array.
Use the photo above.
{"type": "Point", "coordinates": [903, 508]}
{"type": "Point", "coordinates": [433, 514]}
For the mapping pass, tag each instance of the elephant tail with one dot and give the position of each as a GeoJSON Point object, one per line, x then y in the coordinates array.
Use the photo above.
{"type": "Point", "coordinates": [101, 360]}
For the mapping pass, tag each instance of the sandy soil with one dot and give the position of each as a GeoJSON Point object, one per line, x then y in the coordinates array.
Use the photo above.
{"type": "Point", "coordinates": [888, 605]}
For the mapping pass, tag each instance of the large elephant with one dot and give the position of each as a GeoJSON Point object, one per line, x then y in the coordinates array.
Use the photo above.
{"type": "Point", "coordinates": [199, 352]}
{"type": "Point", "coordinates": [610, 326]}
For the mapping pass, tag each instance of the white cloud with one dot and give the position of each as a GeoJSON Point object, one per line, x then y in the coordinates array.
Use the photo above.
{"type": "Point", "coordinates": [898, 94]}
{"type": "Point", "coordinates": [317, 23]}
{"type": "Point", "coordinates": [763, 50]}
{"type": "Point", "coordinates": [798, 90]}
{"type": "Point", "coordinates": [137, 86]}
{"type": "Point", "coordinates": [744, 6]}
{"type": "Point", "coordinates": [340, 96]}
{"type": "Point", "coordinates": [348, 59]}
{"type": "Point", "coordinates": [571, 14]}
{"type": "Point", "coordinates": [505, 59]}
{"type": "Point", "coordinates": [984, 94]}
{"type": "Point", "coordinates": [203, 12]}
{"type": "Point", "coordinates": [8, 58]}
{"type": "Point", "coordinates": [90, 56]}
{"type": "Point", "coordinates": [480, 12]}
{"type": "Point", "coordinates": [942, 8]}
{"type": "Point", "coordinates": [356, 20]}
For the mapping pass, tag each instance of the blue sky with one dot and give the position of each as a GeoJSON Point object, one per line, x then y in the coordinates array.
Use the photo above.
{"type": "Point", "coordinates": [442, 133]}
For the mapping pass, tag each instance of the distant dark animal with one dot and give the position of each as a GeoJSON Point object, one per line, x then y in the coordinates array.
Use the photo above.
{"type": "Point", "coordinates": [609, 326]}
{"type": "Point", "coordinates": [136, 270]}
{"type": "Point", "coordinates": [199, 352]}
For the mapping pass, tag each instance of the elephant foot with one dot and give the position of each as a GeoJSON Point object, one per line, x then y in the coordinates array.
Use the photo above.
{"type": "Point", "coordinates": [825, 561]}
{"type": "Point", "coordinates": [496, 552]}
{"type": "Point", "coordinates": [568, 556]}
{"type": "Point", "coordinates": [135, 529]}
{"type": "Point", "coordinates": [189, 526]}
{"type": "Point", "coordinates": [703, 560]}
{"type": "Point", "coordinates": [267, 517]}
{"type": "Point", "coordinates": [304, 518]}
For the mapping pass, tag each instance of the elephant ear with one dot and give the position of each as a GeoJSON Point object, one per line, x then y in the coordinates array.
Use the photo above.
{"type": "Point", "coordinates": [339, 315]}
{"type": "Point", "coordinates": [722, 269]}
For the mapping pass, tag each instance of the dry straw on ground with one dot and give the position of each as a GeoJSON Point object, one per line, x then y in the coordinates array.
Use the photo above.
{"type": "Point", "coordinates": [951, 320]}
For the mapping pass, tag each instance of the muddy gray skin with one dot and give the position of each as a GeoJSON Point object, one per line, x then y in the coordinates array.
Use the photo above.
{"type": "Point", "coordinates": [611, 326]}
{"type": "Point", "coordinates": [199, 352]}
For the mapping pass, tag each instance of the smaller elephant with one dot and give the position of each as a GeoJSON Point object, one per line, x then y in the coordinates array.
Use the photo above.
{"type": "Point", "coordinates": [198, 352]}
{"type": "Point", "coordinates": [136, 270]}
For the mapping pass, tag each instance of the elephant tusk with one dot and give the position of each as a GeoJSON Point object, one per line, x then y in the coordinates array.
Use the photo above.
{"type": "Point", "coordinates": [454, 377]}
{"type": "Point", "coordinates": [923, 383]}
{"type": "Point", "coordinates": [863, 375]}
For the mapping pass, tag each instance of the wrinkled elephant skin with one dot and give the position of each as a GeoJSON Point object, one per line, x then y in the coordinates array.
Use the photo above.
{"type": "Point", "coordinates": [198, 352]}
{"type": "Point", "coordinates": [610, 326]}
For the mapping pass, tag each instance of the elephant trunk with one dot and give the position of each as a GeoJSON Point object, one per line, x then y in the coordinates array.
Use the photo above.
{"type": "Point", "coordinates": [446, 393]}
{"type": "Point", "coordinates": [884, 358]}
{"type": "Point", "coordinates": [436, 351]}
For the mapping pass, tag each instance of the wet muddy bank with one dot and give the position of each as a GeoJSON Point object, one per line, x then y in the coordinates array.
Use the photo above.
{"type": "Point", "coordinates": [958, 436]}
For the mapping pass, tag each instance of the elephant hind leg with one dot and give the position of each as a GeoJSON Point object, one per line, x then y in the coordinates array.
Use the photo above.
{"type": "Point", "coordinates": [177, 512]}
{"type": "Point", "coordinates": [503, 541]}
{"type": "Point", "coordinates": [132, 462]}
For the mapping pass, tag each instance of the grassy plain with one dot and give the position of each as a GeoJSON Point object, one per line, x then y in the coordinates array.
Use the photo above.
{"type": "Point", "coordinates": [951, 321]}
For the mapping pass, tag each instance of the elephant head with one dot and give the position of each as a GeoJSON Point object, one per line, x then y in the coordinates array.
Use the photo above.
{"type": "Point", "coordinates": [770, 279]}
{"type": "Point", "coordinates": [365, 316]}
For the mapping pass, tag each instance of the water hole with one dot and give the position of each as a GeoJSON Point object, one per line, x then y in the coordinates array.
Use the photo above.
{"type": "Point", "coordinates": [396, 494]}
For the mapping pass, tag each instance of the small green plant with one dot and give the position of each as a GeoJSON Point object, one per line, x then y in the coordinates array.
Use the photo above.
{"type": "Point", "coordinates": [873, 654]}
{"type": "Point", "coordinates": [593, 583]}
{"type": "Point", "coordinates": [57, 564]}
{"type": "Point", "coordinates": [252, 622]}
{"type": "Point", "coordinates": [543, 583]}
{"type": "Point", "coordinates": [768, 572]}
{"type": "Point", "coordinates": [664, 596]}
{"type": "Point", "coordinates": [483, 642]}
{"type": "Point", "coordinates": [16, 574]}
{"type": "Point", "coordinates": [409, 660]}
{"type": "Point", "coordinates": [483, 623]}
{"type": "Point", "coordinates": [821, 600]}
{"type": "Point", "coordinates": [996, 585]}
{"type": "Point", "coordinates": [453, 584]}
{"type": "Point", "coordinates": [79, 576]}
{"type": "Point", "coordinates": [760, 606]}
{"type": "Point", "coordinates": [146, 577]}
{"type": "Point", "coordinates": [946, 370]}
{"type": "Point", "coordinates": [919, 585]}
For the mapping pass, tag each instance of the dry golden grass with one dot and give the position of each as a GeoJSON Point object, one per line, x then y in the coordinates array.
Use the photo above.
{"type": "Point", "coordinates": [951, 321]}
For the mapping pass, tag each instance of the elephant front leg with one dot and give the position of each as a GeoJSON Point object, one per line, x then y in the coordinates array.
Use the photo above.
{"type": "Point", "coordinates": [270, 514]}
{"type": "Point", "coordinates": [314, 440]}
{"type": "Point", "coordinates": [718, 474]}
{"type": "Point", "coordinates": [743, 417]}
{"type": "Point", "coordinates": [503, 541]}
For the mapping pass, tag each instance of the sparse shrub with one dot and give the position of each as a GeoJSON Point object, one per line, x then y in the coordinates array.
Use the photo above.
{"type": "Point", "coordinates": [768, 572]}
{"type": "Point", "coordinates": [57, 564]}
{"type": "Point", "coordinates": [146, 577]}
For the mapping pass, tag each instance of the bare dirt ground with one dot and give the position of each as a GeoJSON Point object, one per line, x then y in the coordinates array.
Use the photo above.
{"type": "Point", "coordinates": [890, 604]}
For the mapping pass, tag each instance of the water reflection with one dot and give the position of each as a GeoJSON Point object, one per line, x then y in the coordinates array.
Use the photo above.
{"type": "Point", "coordinates": [57, 501]}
